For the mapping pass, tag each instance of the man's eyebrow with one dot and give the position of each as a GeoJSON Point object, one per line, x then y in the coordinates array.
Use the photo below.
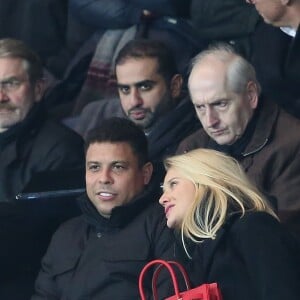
{"type": "Point", "coordinates": [215, 101]}
{"type": "Point", "coordinates": [121, 85]}
{"type": "Point", "coordinates": [112, 163]}
{"type": "Point", "coordinates": [143, 82]}
{"type": "Point", "coordinates": [119, 162]}
{"type": "Point", "coordinates": [137, 84]}
{"type": "Point", "coordinates": [13, 77]}
{"type": "Point", "coordinates": [89, 162]}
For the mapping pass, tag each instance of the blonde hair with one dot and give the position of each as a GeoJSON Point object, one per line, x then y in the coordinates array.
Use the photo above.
{"type": "Point", "coordinates": [222, 188]}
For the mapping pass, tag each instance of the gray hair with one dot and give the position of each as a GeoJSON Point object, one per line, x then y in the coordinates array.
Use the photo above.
{"type": "Point", "coordinates": [239, 71]}
{"type": "Point", "coordinates": [12, 48]}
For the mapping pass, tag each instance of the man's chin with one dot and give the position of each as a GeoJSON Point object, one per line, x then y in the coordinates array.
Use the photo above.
{"type": "Point", "coordinates": [6, 124]}
{"type": "Point", "coordinates": [142, 123]}
{"type": "Point", "coordinates": [223, 140]}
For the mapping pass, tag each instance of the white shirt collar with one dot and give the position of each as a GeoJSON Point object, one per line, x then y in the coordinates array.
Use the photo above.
{"type": "Point", "coordinates": [289, 31]}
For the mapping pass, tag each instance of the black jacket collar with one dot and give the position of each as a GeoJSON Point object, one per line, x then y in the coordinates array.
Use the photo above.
{"type": "Point", "coordinates": [121, 215]}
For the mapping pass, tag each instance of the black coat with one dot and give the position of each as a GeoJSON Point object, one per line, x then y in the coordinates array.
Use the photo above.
{"type": "Point", "coordinates": [26, 228]}
{"type": "Point", "coordinates": [40, 24]}
{"type": "Point", "coordinates": [276, 58]}
{"type": "Point", "coordinates": [251, 258]}
{"type": "Point", "coordinates": [91, 257]}
{"type": "Point", "coordinates": [32, 148]}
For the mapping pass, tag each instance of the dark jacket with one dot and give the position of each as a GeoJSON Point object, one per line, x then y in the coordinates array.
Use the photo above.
{"type": "Point", "coordinates": [171, 129]}
{"type": "Point", "coordinates": [26, 228]}
{"type": "Point", "coordinates": [276, 58]}
{"type": "Point", "coordinates": [45, 21]}
{"type": "Point", "coordinates": [271, 158]}
{"type": "Point", "coordinates": [163, 138]}
{"type": "Point", "coordinates": [113, 14]}
{"type": "Point", "coordinates": [36, 146]}
{"type": "Point", "coordinates": [223, 19]}
{"type": "Point", "coordinates": [91, 257]}
{"type": "Point", "coordinates": [252, 257]}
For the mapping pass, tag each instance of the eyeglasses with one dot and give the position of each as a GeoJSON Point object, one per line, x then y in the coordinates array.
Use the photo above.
{"type": "Point", "coordinates": [11, 85]}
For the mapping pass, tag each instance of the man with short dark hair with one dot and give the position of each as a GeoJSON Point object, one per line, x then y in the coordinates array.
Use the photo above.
{"type": "Point", "coordinates": [150, 94]}
{"type": "Point", "coordinates": [239, 121]}
{"type": "Point", "coordinates": [100, 254]}
{"type": "Point", "coordinates": [30, 144]}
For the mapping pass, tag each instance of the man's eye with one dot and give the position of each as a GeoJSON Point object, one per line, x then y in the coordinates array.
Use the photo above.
{"type": "Point", "coordinates": [93, 168]}
{"type": "Point", "coordinates": [145, 87]}
{"type": "Point", "coordinates": [118, 168]}
{"type": "Point", "coordinates": [124, 90]}
{"type": "Point", "coordinates": [11, 84]}
{"type": "Point", "coordinates": [8, 84]}
{"type": "Point", "coordinates": [221, 104]}
{"type": "Point", "coordinates": [200, 107]}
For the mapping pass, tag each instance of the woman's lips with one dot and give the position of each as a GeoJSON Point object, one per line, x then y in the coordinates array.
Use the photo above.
{"type": "Point", "coordinates": [167, 209]}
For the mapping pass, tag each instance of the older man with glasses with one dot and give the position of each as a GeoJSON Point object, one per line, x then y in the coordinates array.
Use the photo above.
{"type": "Point", "coordinates": [30, 144]}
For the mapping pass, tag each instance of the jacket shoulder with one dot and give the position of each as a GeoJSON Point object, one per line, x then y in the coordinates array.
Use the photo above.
{"type": "Point", "coordinates": [198, 139]}
{"type": "Point", "coordinates": [57, 132]}
{"type": "Point", "coordinates": [261, 229]}
{"type": "Point", "coordinates": [70, 236]}
{"type": "Point", "coordinates": [70, 229]}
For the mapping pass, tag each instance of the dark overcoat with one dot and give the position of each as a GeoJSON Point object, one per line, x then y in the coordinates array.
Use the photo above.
{"type": "Point", "coordinates": [252, 257]}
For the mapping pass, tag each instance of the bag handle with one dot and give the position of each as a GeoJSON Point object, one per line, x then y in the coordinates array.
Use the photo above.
{"type": "Point", "coordinates": [168, 265]}
{"type": "Point", "coordinates": [157, 271]}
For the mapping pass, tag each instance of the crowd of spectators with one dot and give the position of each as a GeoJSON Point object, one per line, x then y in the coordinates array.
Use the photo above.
{"type": "Point", "coordinates": [161, 66]}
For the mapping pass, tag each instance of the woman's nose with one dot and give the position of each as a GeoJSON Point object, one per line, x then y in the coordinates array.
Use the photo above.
{"type": "Point", "coordinates": [163, 199]}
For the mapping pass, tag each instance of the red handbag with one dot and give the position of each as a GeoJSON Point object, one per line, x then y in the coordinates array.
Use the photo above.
{"type": "Point", "coordinates": [207, 291]}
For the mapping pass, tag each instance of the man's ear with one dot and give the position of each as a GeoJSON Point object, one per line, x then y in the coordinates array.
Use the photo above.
{"type": "Point", "coordinates": [39, 89]}
{"type": "Point", "coordinates": [147, 172]}
{"type": "Point", "coordinates": [252, 91]}
{"type": "Point", "coordinates": [176, 85]}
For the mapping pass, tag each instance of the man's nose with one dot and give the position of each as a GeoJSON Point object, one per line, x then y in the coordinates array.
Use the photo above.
{"type": "Point", "coordinates": [105, 177]}
{"type": "Point", "coordinates": [135, 98]}
{"type": "Point", "coordinates": [3, 95]}
{"type": "Point", "coordinates": [211, 117]}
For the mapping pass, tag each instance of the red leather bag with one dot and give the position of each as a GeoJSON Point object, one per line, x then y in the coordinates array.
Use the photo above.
{"type": "Point", "coordinates": [207, 291]}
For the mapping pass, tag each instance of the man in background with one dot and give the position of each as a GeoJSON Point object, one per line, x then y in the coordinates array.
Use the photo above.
{"type": "Point", "coordinates": [238, 120]}
{"type": "Point", "coordinates": [150, 94]}
{"type": "Point", "coordinates": [31, 145]}
{"type": "Point", "coordinates": [275, 52]}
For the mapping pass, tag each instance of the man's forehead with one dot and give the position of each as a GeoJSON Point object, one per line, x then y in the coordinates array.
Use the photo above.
{"type": "Point", "coordinates": [138, 83]}
{"type": "Point", "coordinates": [208, 90]}
{"type": "Point", "coordinates": [139, 66]}
{"type": "Point", "coordinates": [11, 67]}
{"type": "Point", "coordinates": [210, 99]}
{"type": "Point", "coordinates": [110, 151]}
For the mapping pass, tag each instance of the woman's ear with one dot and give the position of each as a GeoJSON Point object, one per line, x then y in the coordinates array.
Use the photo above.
{"type": "Point", "coordinates": [176, 85]}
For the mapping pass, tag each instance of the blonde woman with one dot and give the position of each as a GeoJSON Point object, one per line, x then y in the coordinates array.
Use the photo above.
{"type": "Point", "coordinates": [228, 232]}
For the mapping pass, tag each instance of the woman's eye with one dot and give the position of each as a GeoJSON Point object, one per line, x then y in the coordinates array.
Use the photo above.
{"type": "Point", "coordinates": [173, 183]}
